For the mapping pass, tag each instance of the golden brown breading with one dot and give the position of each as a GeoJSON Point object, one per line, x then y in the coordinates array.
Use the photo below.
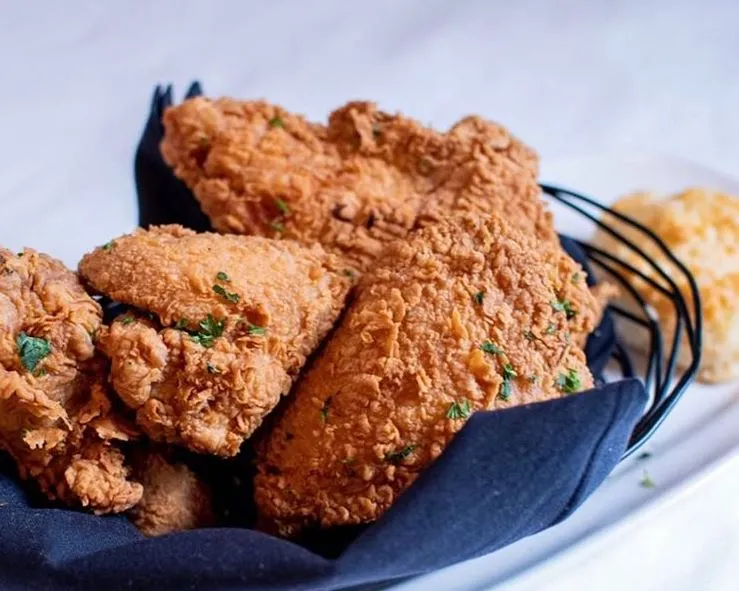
{"type": "Point", "coordinates": [55, 416]}
{"type": "Point", "coordinates": [366, 178]}
{"type": "Point", "coordinates": [236, 318]}
{"type": "Point", "coordinates": [175, 499]}
{"type": "Point", "coordinates": [460, 317]}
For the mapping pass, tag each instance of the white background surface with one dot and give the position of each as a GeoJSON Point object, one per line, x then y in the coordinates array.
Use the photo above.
{"type": "Point", "coordinates": [570, 78]}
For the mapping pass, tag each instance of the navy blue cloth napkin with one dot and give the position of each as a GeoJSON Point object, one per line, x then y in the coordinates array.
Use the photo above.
{"type": "Point", "coordinates": [506, 475]}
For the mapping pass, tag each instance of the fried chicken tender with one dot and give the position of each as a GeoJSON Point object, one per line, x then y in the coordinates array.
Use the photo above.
{"type": "Point", "coordinates": [363, 180]}
{"type": "Point", "coordinates": [56, 419]}
{"type": "Point", "coordinates": [175, 499]}
{"type": "Point", "coordinates": [465, 316]}
{"type": "Point", "coordinates": [231, 322]}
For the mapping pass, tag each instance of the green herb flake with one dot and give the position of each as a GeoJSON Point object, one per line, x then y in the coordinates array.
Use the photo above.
{"type": "Point", "coordinates": [505, 391]}
{"type": "Point", "coordinates": [20, 254]}
{"type": "Point", "coordinates": [506, 388]}
{"type": "Point", "coordinates": [282, 206]}
{"type": "Point", "coordinates": [254, 330]}
{"type": "Point", "coordinates": [564, 306]}
{"type": "Point", "coordinates": [533, 379]}
{"type": "Point", "coordinates": [479, 297]}
{"type": "Point", "coordinates": [39, 373]}
{"type": "Point", "coordinates": [646, 481]}
{"type": "Point", "coordinates": [276, 121]}
{"type": "Point", "coordinates": [551, 329]}
{"type": "Point", "coordinates": [349, 273]}
{"type": "Point", "coordinates": [568, 338]}
{"type": "Point", "coordinates": [459, 410]}
{"type": "Point", "coordinates": [182, 324]}
{"type": "Point", "coordinates": [221, 276]}
{"type": "Point", "coordinates": [210, 330]}
{"type": "Point", "coordinates": [126, 320]}
{"type": "Point", "coordinates": [32, 350]}
{"type": "Point", "coordinates": [492, 348]}
{"type": "Point", "coordinates": [400, 455]}
{"type": "Point", "coordinates": [227, 295]}
{"type": "Point", "coordinates": [575, 278]}
{"type": "Point", "coordinates": [213, 369]}
{"type": "Point", "coordinates": [108, 245]}
{"type": "Point", "coordinates": [569, 382]}
{"type": "Point", "coordinates": [277, 226]}
{"type": "Point", "coordinates": [325, 409]}
{"type": "Point", "coordinates": [508, 372]}
{"type": "Point", "coordinates": [529, 335]}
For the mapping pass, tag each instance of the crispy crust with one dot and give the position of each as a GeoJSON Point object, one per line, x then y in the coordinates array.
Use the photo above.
{"type": "Point", "coordinates": [175, 499]}
{"type": "Point", "coordinates": [209, 397]}
{"type": "Point", "coordinates": [57, 420]}
{"type": "Point", "coordinates": [363, 180]}
{"type": "Point", "coordinates": [373, 411]}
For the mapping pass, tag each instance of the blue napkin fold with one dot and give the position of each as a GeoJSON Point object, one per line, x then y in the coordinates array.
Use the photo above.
{"type": "Point", "coordinates": [506, 475]}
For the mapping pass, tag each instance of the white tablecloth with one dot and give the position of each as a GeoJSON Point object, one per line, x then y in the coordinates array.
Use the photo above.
{"type": "Point", "coordinates": [569, 77]}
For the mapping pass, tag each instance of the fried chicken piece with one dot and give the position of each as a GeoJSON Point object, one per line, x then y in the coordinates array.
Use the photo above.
{"type": "Point", "coordinates": [231, 322]}
{"type": "Point", "coordinates": [363, 180]}
{"type": "Point", "coordinates": [175, 499]}
{"type": "Point", "coordinates": [56, 419]}
{"type": "Point", "coordinates": [465, 316]}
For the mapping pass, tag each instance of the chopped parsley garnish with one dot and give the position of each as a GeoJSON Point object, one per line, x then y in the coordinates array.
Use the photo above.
{"type": "Point", "coordinates": [479, 297]}
{"type": "Point", "coordinates": [348, 272]}
{"type": "Point", "coordinates": [492, 348]}
{"type": "Point", "coordinates": [221, 276]}
{"type": "Point", "coordinates": [401, 454]}
{"type": "Point", "coordinates": [529, 335]}
{"type": "Point", "coordinates": [32, 350]}
{"type": "Point", "coordinates": [126, 320]}
{"type": "Point", "coordinates": [282, 206]}
{"type": "Point", "coordinates": [181, 324]}
{"type": "Point", "coordinates": [575, 277]}
{"type": "Point", "coordinates": [277, 226]}
{"type": "Point", "coordinates": [254, 330]}
{"type": "Point", "coordinates": [108, 245]}
{"type": "Point", "coordinates": [551, 328]}
{"type": "Point", "coordinates": [39, 373]}
{"type": "Point", "coordinates": [325, 409]}
{"type": "Point", "coordinates": [505, 388]}
{"type": "Point", "coordinates": [646, 481]}
{"type": "Point", "coordinates": [276, 121]}
{"type": "Point", "coordinates": [459, 410]}
{"type": "Point", "coordinates": [508, 372]}
{"type": "Point", "coordinates": [564, 306]}
{"type": "Point", "coordinates": [227, 295]}
{"type": "Point", "coordinates": [213, 369]}
{"type": "Point", "coordinates": [568, 382]}
{"type": "Point", "coordinates": [210, 330]}
{"type": "Point", "coordinates": [533, 379]}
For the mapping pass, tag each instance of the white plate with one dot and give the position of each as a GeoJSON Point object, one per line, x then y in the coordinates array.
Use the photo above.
{"type": "Point", "coordinates": [699, 437]}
